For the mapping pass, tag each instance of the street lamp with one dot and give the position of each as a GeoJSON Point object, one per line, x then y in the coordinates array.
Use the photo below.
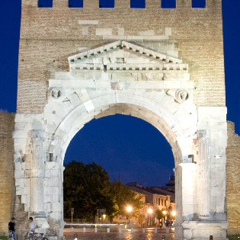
{"type": "Point", "coordinates": [173, 213]}
{"type": "Point", "coordinates": [150, 212]}
{"type": "Point", "coordinates": [72, 212]}
{"type": "Point", "coordinates": [164, 213]}
{"type": "Point", "coordinates": [129, 210]}
{"type": "Point", "coordinates": [164, 218]}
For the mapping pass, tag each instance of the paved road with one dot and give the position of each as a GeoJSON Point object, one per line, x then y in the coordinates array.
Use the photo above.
{"type": "Point", "coordinates": [127, 234]}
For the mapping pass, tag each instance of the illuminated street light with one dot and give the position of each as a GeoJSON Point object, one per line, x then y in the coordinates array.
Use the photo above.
{"type": "Point", "coordinates": [164, 212]}
{"type": "Point", "coordinates": [104, 217]}
{"type": "Point", "coordinates": [150, 212]}
{"type": "Point", "coordinates": [173, 213]}
{"type": "Point", "coordinates": [129, 209]}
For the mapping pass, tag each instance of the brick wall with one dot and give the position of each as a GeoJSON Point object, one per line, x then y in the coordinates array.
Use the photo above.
{"type": "Point", "coordinates": [48, 35]}
{"type": "Point", "coordinates": [7, 185]}
{"type": "Point", "coordinates": [233, 183]}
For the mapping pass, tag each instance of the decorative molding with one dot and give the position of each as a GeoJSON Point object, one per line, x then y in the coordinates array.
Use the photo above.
{"type": "Point", "coordinates": [124, 45]}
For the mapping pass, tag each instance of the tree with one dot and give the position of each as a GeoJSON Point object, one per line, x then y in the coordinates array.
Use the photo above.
{"type": "Point", "coordinates": [124, 196]}
{"type": "Point", "coordinates": [160, 216]}
{"type": "Point", "coordinates": [86, 189]}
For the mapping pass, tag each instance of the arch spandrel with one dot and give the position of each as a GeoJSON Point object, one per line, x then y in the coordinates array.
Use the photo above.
{"type": "Point", "coordinates": [145, 109]}
{"type": "Point", "coordinates": [127, 74]}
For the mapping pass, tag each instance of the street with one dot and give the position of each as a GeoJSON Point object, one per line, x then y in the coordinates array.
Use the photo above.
{"type": "Point", "coordinates": [123, 234]}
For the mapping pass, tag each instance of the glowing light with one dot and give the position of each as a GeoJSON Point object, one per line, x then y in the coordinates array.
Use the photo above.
{"type": "Point", "coordinates": [174, 213]}
{"type": "Point", "coordinates": [150, 211]}
{"type": "Point", "coordinates": [129, 208]}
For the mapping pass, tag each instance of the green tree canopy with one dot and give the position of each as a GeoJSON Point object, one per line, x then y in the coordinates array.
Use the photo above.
{"type": "Point", "coordinates": [124, 196]}
{"type": "Point", "coordinates": [86, 189]}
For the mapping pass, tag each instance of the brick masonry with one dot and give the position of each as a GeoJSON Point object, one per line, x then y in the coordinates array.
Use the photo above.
{"type": "Point", "coordinates": [7, 184]}
{"type": "Point", "coordinates": [233, 184]}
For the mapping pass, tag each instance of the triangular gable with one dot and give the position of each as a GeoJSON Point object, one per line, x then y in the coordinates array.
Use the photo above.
{"type": "Point", "coordinates": [123, 55]}
{"type": "Point", "coordinates": [121, 45]}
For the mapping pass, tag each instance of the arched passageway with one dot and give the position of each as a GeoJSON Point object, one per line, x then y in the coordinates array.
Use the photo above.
{"type": "Point", "coordinates": [160, 97]}
{"type": "Point", "coordinates": [129, 149]}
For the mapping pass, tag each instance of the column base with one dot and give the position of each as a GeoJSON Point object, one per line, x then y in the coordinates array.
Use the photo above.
{"type": "Point", "coordinates": [40, 214]}
{"type": "Point", "coordinates": [41, 220]}
{"type": "Point", "coordinates": [201, 230]}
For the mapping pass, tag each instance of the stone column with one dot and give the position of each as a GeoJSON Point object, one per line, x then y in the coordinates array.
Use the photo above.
{"type": "Point", "coordinates": [188, 190]}
{"type": "Point", "coordinates": [37, 174]}
{"type": "Point", "coordinates": [185, 195]}
{"type": "Point", "coordinates": [203, 176]}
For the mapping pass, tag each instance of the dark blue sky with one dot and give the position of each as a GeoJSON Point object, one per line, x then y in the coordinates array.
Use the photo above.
{"type": "Point", "coordinates": [129, 149]}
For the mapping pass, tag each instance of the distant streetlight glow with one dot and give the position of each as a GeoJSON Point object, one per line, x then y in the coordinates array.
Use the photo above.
{"type": "Point", "coordinates": [150, 211]}
{"type": "Point", "coordinates": [174, 213]}
{"type": "Point", "coordinates": [129, 208]}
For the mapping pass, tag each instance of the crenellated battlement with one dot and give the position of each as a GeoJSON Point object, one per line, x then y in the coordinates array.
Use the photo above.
{"type": "Point", "coordinates": [130, 4]}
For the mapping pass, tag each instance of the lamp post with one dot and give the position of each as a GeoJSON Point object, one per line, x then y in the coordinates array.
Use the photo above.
{"type": "Point", "coordinates": [150, 212]}
{"type": "Point", "coordinates": [164, 218]}
{"type": "Point", "coordinates": [72, 212]}
{"type": "Point", "coordinates": [173, 213]}
{"type": "Point", "coordinates": [129, 210]}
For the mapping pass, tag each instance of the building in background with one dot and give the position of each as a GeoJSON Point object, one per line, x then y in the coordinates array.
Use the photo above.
{"type": "Point", "coordinates": [159, 207]}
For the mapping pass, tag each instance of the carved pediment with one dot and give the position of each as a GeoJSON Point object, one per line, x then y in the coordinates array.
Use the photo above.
{"type": "Point", "coordinates": [122, 55]}
{"type": "Point", "coordinates": [125, 66]}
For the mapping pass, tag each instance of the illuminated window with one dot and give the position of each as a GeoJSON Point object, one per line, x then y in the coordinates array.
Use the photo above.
{"type": "Point", "coordinates": [169, 4]}
{"type": "Point", "coordinates": [198, 3]}
{"type": "Point", "coordinates": [45, 3]}
{"type": "Point", "coordinates": [138, 4]}
{"type": "Point", "coordinates": [106, 3]}
{"type": "Point", "coordinates": [75, 3]}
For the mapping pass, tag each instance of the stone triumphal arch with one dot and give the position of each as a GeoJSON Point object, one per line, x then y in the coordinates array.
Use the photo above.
{"type": "Point", "coordinates": [164, 66]}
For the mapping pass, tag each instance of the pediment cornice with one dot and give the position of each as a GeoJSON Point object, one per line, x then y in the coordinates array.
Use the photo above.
{"type": "Point", "coordinates": [136, 57]}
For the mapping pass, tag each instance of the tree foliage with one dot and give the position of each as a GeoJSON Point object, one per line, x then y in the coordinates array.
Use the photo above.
{"type": "Point", "coordinates": [86, 189]}
{"type": "Point", "coordinates": [123, 196]}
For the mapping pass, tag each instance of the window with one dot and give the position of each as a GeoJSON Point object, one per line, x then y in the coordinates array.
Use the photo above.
{"type": "Point", "coordinates": [169, 4]}
{"type": "Point", "coordinates": [198, 3]}
{"type": "Point", "coordinates": [75, 3]}
{"type": "Point", "coordinates": [106, 3]}
{"type": "Point", "coordinates": [141, 4]}
{"type": "Point", "coordinates": [45, 3]}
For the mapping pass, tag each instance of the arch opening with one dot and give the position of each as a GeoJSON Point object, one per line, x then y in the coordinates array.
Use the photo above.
{"type": "Point", "coordinates": [123, 139]}
{"type": "Point", "coordinates": [132, 152]}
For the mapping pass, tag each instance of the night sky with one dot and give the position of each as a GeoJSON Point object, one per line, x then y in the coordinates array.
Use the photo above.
{"type": "Point", "coordinates": [128, 148]}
